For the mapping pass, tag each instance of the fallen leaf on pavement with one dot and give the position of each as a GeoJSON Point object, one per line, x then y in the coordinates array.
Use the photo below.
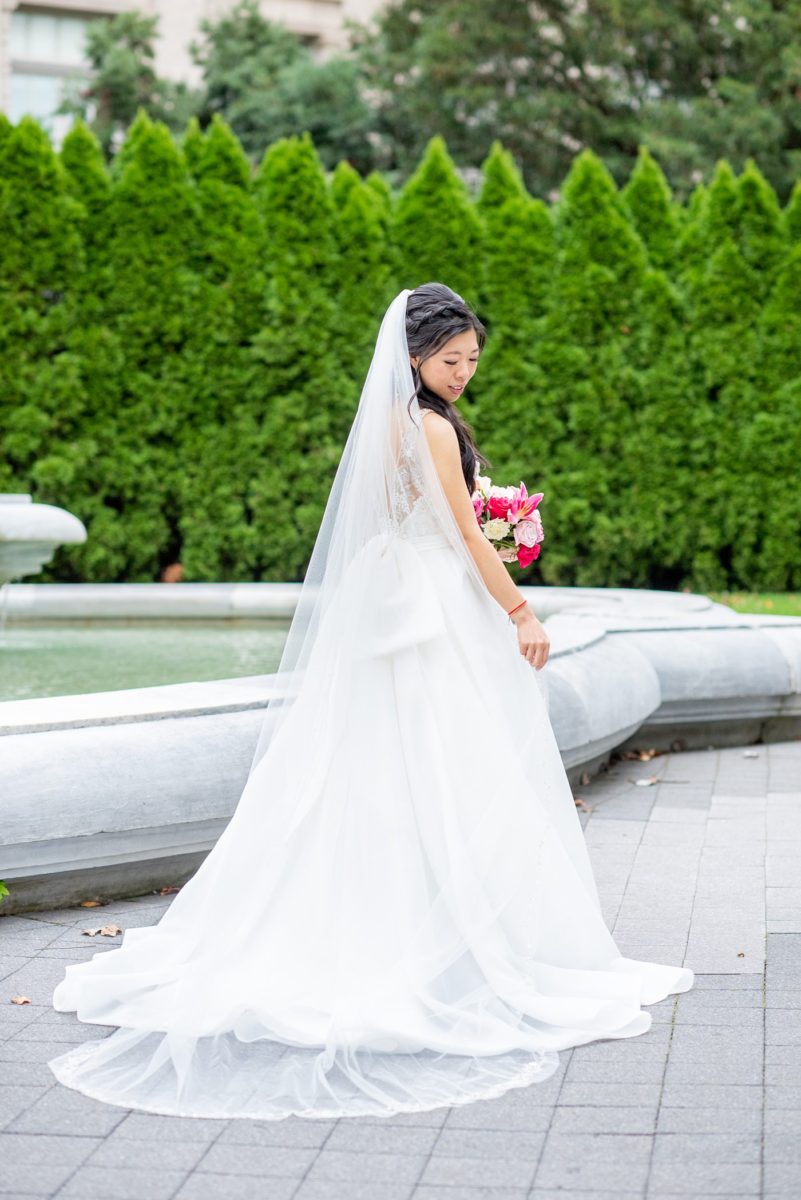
{"type": "Point", "coordinates": [106, 930]}
{"type": "Point", "coordinates": [20, 1000]}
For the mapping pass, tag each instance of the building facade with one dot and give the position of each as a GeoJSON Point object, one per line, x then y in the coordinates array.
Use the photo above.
{"type": "Point", "coordinates": [41, 41]}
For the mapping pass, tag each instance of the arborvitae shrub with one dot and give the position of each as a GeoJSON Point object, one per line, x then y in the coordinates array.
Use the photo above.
{"type": "Point", "coordinates": [501, 180]}
{"type": "Point", "coordinates": [309, 401]}
{"type": "Point", "coordinates": [648, 199]}
{"type": "Point", "coordinates": [761, 234]}
{"type": "Point", "coordinates": [365, 283]}
{"type": "Point", "coordinates": [436, 228]}
{"type": "Point", "coordinates": [218, 450]}
{"type": "Point", "coordinates": [41, 258]}
{"type": "Point", "coordinates": [182, 348]}
{"type": "Point", "coordinates": [507, 399]}
{"type": "Point", "coordinates": [589, 390]}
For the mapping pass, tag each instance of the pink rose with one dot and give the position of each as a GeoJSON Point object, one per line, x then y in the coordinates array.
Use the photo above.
{"type": "Point", "coordinates": [529, 532]}
{"type": "Point", "coordinates": [478, 504]}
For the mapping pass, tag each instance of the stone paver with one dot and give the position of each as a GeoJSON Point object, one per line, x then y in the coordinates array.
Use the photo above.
{"type": "Point", "coordinates": [702, 868]}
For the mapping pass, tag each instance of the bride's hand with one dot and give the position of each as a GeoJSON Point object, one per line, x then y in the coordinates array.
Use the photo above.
{"type": "Point", "coordinates": [532, 639]}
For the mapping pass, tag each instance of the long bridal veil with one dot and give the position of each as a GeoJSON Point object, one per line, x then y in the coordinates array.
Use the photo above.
{"type": "Point", "coordinates": [401, 912]}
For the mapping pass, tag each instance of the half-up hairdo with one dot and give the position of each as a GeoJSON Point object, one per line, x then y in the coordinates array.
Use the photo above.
{"type": "Point", "coordinates": [434, 315]}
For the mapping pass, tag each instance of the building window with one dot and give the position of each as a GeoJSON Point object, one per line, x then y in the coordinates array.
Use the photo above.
{"type": "Point", "coordinates": [45, 49]}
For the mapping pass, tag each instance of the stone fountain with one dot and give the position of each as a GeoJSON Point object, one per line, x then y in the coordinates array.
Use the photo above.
{"type": "Point", "coordinates": [30, 534]}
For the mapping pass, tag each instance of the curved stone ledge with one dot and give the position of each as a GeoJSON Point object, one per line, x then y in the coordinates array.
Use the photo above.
{"type": "Point", "coordinates": [116, 792]}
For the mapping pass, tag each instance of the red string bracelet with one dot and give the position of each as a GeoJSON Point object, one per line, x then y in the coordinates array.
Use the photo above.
{"type": "Point", "coordinates": [514, 610]}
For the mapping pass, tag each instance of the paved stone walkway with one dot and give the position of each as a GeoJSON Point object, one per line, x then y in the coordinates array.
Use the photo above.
{"type": "Point", "coordinates": [703, 867]}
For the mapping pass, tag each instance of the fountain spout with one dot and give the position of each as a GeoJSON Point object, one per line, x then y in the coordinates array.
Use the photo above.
{"type": "Point", "coordinates": [30, 534]}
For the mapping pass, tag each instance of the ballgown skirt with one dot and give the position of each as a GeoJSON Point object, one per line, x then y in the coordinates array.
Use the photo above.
{"type": "Point", "coordinates": [401, 912]}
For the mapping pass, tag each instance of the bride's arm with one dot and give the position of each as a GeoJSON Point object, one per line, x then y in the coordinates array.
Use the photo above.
{"type": "Point", "coordinates": [444, 445]}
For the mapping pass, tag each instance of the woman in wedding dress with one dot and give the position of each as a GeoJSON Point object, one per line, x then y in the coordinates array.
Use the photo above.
{"type": "Point", "coordinates": [401, 912]}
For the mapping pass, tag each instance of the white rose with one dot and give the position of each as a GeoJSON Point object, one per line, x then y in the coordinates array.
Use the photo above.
{"type": "Point", "coordinates": [496, 529]}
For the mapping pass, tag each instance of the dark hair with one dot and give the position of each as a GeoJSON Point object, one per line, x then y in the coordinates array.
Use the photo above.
{"type": "Point", "coordinates": [434, 315]}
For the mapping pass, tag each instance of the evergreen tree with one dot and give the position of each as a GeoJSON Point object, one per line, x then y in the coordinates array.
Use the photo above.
{"type": "Point", "coordinates": [310, 401]}
{"type": "Point", "coordinates": [761, 234]}
{"type": "Point", "coordinates": [723, 347]}
{"type": "Point", "coordinates": [436, 228]}
{"type": "Point", "coordinates": [220, 449]}
{"type": "Point", "coordinates": [508, 410]}
{"type": "Point", "coordinates": [667, 450]}
{"type": "Point", "coordinates": [792, 215]}
{"type": "Point", "coordinates": [589, 390]}
{"type": "Point", "coordinates": [713, 216]}
{"type": "Point", "coordinates": [767, 447]}
{"type": "Point", "coordinates": [501, 180]}
{"type": "Point", "coordinates": [192, 145]}
{"type": "Point", "coordinates": [89, 183]}
{"type": "Point", "coordinates": [648, 199]}
{"type": "Point", "coordinates": [695, 81]}
{"type": "Point", "coordinates": [40, 258]}
{"type": "Point", "coordinates": [364, 270]}
{"type": "Point", "coordinates": [145, 389]}
{"type": "Point", "coordinates": [376, 181]}
{"type": "Point", "coordinates": [344, 180]}
{"type": "Point", "coordinates": [262, 79]}
{"type": "Point", "coordinates": [64, 469]}
{"type": "Point", "coordinates": [382, 194]}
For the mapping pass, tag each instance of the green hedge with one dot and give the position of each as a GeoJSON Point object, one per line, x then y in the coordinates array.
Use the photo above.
{"type": "Point", "coordinates": [183, 343]}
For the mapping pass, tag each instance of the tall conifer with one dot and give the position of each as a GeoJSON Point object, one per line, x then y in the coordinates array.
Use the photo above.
{"type": "Point", "coordinates": [310, 399]}
{"type": "Point", "coordinates": [648, 199]}
{"type": "Point", "coordinates": [41, 256]}
{"type": "Point", "coordinates": [436, 227]}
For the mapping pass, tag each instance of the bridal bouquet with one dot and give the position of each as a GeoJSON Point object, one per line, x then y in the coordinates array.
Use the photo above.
{"type": "Point", "coordinates": [508, 517]}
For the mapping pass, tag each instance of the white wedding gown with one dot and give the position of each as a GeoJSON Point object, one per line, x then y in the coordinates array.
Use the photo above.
{"type": "Point", "coordinates": [401, 913]}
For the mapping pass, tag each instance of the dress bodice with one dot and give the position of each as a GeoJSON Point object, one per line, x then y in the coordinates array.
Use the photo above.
{"type": "Point", "coordinates": [411, 510]}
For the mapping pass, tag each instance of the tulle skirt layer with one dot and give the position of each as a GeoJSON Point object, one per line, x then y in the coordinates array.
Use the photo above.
{"type": "Point", "coordinates": [400, 914]}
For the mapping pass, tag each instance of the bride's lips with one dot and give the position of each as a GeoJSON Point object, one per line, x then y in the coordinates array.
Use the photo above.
{"type": "Point", "coordinates": [458, 391]}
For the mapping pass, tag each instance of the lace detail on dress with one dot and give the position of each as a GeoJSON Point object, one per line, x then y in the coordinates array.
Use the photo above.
{"type": "Point", "coordinates": [411, 513]}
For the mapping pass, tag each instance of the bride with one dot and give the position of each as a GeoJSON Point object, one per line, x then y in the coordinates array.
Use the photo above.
{"type": "Point", "coordinates": [401, 912]}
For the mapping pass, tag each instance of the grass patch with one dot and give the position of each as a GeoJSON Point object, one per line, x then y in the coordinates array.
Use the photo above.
{"type": "Point", "coordinates": [782, 604]}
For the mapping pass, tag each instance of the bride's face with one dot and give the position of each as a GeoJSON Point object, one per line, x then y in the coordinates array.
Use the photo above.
{"type": "Point", "coordinates": [450, 369]}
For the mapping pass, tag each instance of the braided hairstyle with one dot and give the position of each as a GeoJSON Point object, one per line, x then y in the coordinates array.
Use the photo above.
{"type": "Point", "coordinates": [435, 314]}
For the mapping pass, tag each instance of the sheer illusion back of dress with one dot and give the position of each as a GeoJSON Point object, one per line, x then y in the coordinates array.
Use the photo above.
{"type": "Point", "coordinates": [401, 912]}
{"type": "Point", "coordinates": [414, 515]}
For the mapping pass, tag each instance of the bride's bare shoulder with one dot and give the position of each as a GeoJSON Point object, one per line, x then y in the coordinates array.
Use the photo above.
{"type": "Point", "coordinates": [440, 435]}
{"type": "Point", "coordinates": [437, 425]}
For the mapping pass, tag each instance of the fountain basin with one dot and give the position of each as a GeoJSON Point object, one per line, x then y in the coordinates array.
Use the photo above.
{"type": "Point", "coordinates": [117, 792]}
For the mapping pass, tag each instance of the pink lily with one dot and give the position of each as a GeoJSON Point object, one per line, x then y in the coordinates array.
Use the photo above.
{"type": "Point", "coordinates": [523, 505]}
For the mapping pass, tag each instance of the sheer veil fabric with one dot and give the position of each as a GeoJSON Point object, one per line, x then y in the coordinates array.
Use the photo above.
{"type": "Point", "coordinates": [401, 912]}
